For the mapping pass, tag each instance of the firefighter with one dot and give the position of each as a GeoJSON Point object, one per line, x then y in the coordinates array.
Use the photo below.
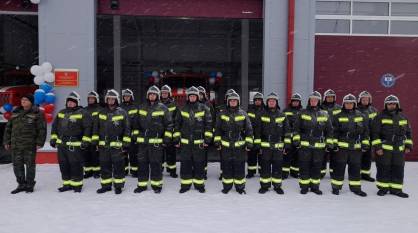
{"type": "Point", "coordinates": [365, 106]}
{"type": "Point", "coordinates": [112, 134]}
{"type": "Point", "coordinates": [71, 134]}
{"type": "Point", "coordinates": [169, 150]}
{"type": "Point", "coordinates": [273, 132]}
{"type": "Point", "coordinates": [204, 100]}
{"type": "Point", "coordinates": [25, 132]}
{"type": "Point", "coordinates": [313, 136]}
{"type": "Point", "coordinates": [254, 111]}
{"type": "Point", "coordinates": [351, 137]}
{"type": "Point", "coordinates": [290, 161]}
{"type": "Point", "coordinates": [192, 135]}
{"type": "Point", "coordinates": [155, 127]}
{"type": "Point", "coordinates": [391, 134]}
{"type": "Point", "coordinates": [92, 166]}
{"type": "Point", "coordinates": [330, 105]}
{"type": "Point", "coordinates": [233, 136]}
{"type": "Point", "coordinates": [131, 160]}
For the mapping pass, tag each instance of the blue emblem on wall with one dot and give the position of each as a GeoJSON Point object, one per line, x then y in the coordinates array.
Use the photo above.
{"type": "Point", "coordinates": [388, 80]}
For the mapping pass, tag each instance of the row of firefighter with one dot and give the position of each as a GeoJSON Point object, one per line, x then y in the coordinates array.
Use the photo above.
{"type": "Point", "coordinates": [122, 137]}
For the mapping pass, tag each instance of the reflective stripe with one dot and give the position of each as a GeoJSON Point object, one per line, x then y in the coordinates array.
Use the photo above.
{"type": "Point", "coordinates": [396, 186]}
{"type": "Point", "coordinates": [95, 113]}
{"type": "Point", "coordinates": [217, 138]}
{"type": "Point", "coordinates": [376, 142]}
{"type": "Point", "coordinates": [335, 112]}
{"type": "Point", "coordinates": [387, 121]}
{"type": "Point", "coordinates": [135, 132]}
{"type": "Point", "coordinates": [116, 144]}
{"type": "Point", "coordinates": [184, 141]}
{"type": "Point", "coordinates": [59, 141]}
{"type": "Point", "coordinates": [168, 134]}
{"type": "Point", "coordinates": [158, 113]}
{"type": "Point", "coordinates": [142, 183]}
{"type": "Point", "coordinates": [288, 113]}
{"type": "Point", "coordinates": [403, 122]}
{"type": "Point", "coordinates": [96, 169]}
{"type": "Point", "coordinates": [306, 117]}
{"type": "Point", "coordinates": [102, 143]}
{"type": "Point", "coordinates": [294, 169]}
{"type": "Point", "coordinates": [241, 181]}
{"type": "Point", "coordinates": [227, 181]}
{"type": "Point", "coordinates": [73, 143]}
{"type": "Point", "coordinates": [187, 181]}
{"type": "Point", "coordinates": [86, 139]}
{"type": "Point", "coordinates": [408, 142]}
{"type": "Point", "coordinates": [316, 145]}
{"type": "Point", "coordinates": [358, 119]}
{"type": "Point", "coordinates": [119, 181]}
{"type": "Point", "coordinates": [287, 140]}
{"type": "Point", "coordinates": [76, 116]}
{"type": "Point", "coordinates": [252, 115]}
{"type": "Point", "coordinates": [296, 137]}
{"type": "Point", "coordinates": [156, 182]}
{"type": "Point", "coordinates": [176, 134]}
{"type": "Point", "coordinates": [252, 168]}
{"type": "Point", "coordinates": [185, 114]}
{"type": "Point", "coordinates": [225, 143]}
{"type": "Point", "coordinates": [126, 139]}
{"type": "Point", "coordinates": [134, 169]}
{"type": "Point", "coordinates": [61, 115]}
{"type": "Point", "coordinates": [367, 172]}
{"type": "Point", "coordinates": [279, 119]}
{"type": "Point", "coordinates": [286, 169]}
{"type": "Point", "coordinates": [239, 118]}
{"type": "Point", "coordinates": [239, 143]}
{"type": "Point", "coordinates": [372, 115]}
{"type": "Point", "coordinates": [276, 181]}
{"type": "Point", "coordinates": [142, 112]}
{"type": "Point", "coordinates": [199, 114]}
{"type": "Point", "coordinates": [155, 140]}
{"type": "Point", "coordinates": [265, 119]}
{"type": "Point", "coordinates": [337, 182]}
{"type": "Point", "coordinates": [95, 137]}
{"type": "Point", "coordinates": [265, 180]}
{"type": "Point", "coordinates": [200, 141]}
{"type": "Point", "coordinates": [102, 117]}
{"type": "Point", "coordinates": [265, 144]}
{"type": "Point", "coordinates": [322, 119]}
{"type": "Point", "coordinates": [249, 139]}
{"type": "Point", "coordinates": [257, 141]}
{"type": "Point", "coordinates": [140, 140]}
{"type": "Point", "coordinates": [365, 142]}
{"type": "Point", "coordinates": [66, 182]}
{"type": "Point", "coordinates": [304, 181]}
{"type": "Point", "coordinates": [76, 183]}
{"type": "Point", "coordinates": [343, 119]}
{"type": "Point", "coordinates": [347, 145]}
{"type": "Point", "coordinates": [354, 182]}
{"type": "Point", "coordinates": [171, 109]}
{"type": "Point", "coordinates": [208, 134]}
{"type": "Point", "coordinates": [387, 147]}
{"type": "Point", "coordinates": [54, 136]}
{"type": "Point", "coordinates": [382, 184]}
{"type": "Point", "coordinates": [198, 181]}
{"type": "Point", "coordinates": [329, 141]}
{"type": "Point", "coordinates": [117, 118]}
{"type": "Point", "coordinates": [323, 171]}
{"type": "Point", "coordinates": [106, 181]}
{"type": "Point", "coordinates": [87, 169]}
{"type": "Point", "coordinates": [225, 118]}
{"type": "Point", "coordinates": [315, 181]}
{"type": "Point", "coordinates": [133, 111]}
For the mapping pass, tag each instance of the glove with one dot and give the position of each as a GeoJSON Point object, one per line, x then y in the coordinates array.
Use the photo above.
{"type": "Point", "coordinates": [53, 143]}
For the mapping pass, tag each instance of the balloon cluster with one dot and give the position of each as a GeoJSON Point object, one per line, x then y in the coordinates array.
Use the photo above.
{"type": "Point", "coordinates": [215, 77]}
{"type": "Point", "coordinates": [7, 109]}
{"type": "Point", "coordinates": [35, 1]}
{"type": "Point", "coordinates": [44, 96]}
{"type": "Point", "coordinates": [153, 76]}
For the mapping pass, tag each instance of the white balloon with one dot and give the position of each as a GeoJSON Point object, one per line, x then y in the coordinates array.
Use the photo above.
{"type": "Point", "coordinates": [49, 77]}
{"type": "Point", "coordinates": [38, 80]}
{"type": "Point", "coordinates": [2, 110]}
{"type": "Point", "coordinates": [154, 74]}
{"type": "Point", "coordinates": [35, 1]}
{"type": "Point", "coordinates": [219, 74]}
{"type": "Point", "coordinates": [212, 81]}
{"type": "Point", "coordinates": [35, 70]}
{"type": "Point", "coordinates": [46, 67]}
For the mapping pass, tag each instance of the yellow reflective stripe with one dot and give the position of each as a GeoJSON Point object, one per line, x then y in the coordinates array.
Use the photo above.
{"type": "Point", "coordinates": [116, 144]}
{"type": "Point", "coordinates": [156, 182]}
{"type": "Point", "coordinates": [95, 113]}
{"type": "Point", "coordinates": [198, 181]}
{"type": "Point", "coordinates": [61, 115]}
{"type": "Point", "coordinates": [354, 182]}
{"type": "Point", "coordinates": [265, 180]}
{"type": "Point", "coordinates": [343, 119]}
{"type": "Point", "coordinates": [76, 183]}
{"type": "Point", "coordinates": [87, 169]}
{"type": "Point", "coordinates": [408, 141]}
{"type": "Point", "coordinates": [142, 112]}
{"type": "Point", "coordinates": [66, 182]}
{"type": "Point", "coordinates": [217, 138]}
{"type": "Point", "coordinates": [335, 112]}
{"type": "Point", "coordinates": [208, 134]}
{"type": "Point", "coordinates": [96, 169]}
{"type": "Point", "coordinates": [279, 119]}
{"type": "Point", "coordinates": [95, 137]}
{"type": "Point", "coordinates": [329, 141]}
{"type": "Point", "coordinates": [168, 134]}
{"type": "Point", "coordinates": [387, 147]}
{"type": "Point", "coordinates": [119, 181]}
{"type": "Point", "coordinates": [286, 169]}
{"type": "Point", "coordinates": [296, 137]}
{"type": "Point", "coordinates": [117, 118]}
{"type": "Point", "coordinates": [185, 114]}
{"type": "Point", "coordinates": [135, 132]}
{"type": "Point", "coordinates": [265, 119]}
{"type": "Point", "coordinates": [343, 144]}
{"type": "Point", "coordinates": [252, 115]}
{"type": "Point", "coordinates": [376, 142]}
{"type": "Point", "coordinates": [227, 181]}
{"type": "Point", "coordinates": [304, 181]}
{"type": "Point", "coordinates": [176, 134]}
{"type": "Point", "coordinates": [288, 113]}
{"type": "Point", "coordinates": [358, 119]}
{"type": "Point", "coordinates": [304, 143]}
{"type": "Point", "coordinates": [76, 116]}
{"type": "Point", "coordinates": [372, 115]}
{"type": "Point", "coordinates": [337, 182]}
{"type": "Point", "coordinates": [126, 139]}
{"type": "Point", "coordinates": [200, 114]}
{"type": "Point", "coordinates": [287, 140]}
{"type": "Point", "coordinates": [306, 117]}
{"type": "Point", "coordinates": [86, 139]}
{"type": "Point", "coordinates": [142, 183]}
{"type": "Point", "coordinates": [225, 118]}
{"type": "Point", "coordinates": [171, 109]}
{"type": "Point", "coordinates": [279, 145]}
{"type": "Point", "coordinates": [225, 143]}
{"type": "Point", "coordinates": [322, 119]}
{"type": "Point", "coordinates": [73, 143]}
{"type": "Point", "coordinates": [315, 181]}
{"type": "Point", "coordinates": [265, 144]}
{"type": "Point", "coordinates": [158, 113]}
{"type": "Point", "coordinates": [155, 140]}
{"type": "Point", "coordinates": [382, 184]}
{"type": "Point", "coordinates": [365, 172]}
{"type": "Point", "coordinates": [134, 168]}
{"type": "Point", "coordinates": [200, 141]}
{"type": "Point", "coordinates": [186, 181]}
{"type": "Point", "coordinates": [102, 143]}
{"type": "Point", "coordinates": [241, 181]}
{"type": "Point", "coordinates": [319, 145]}
{"type": "Point", "coordinates": [401, 148]}
{"type": "Point", "coordinates": [365, 142]}
{"type": "Point", "coordinates": [249, 139]}
{"type": "Point", "coordinates": [140, 139]}
{"type": "Point", "coordinates": [54, 136]}
{"type": "Point", "coordinates": [106, 181]}
{"type": "Point", "coordinates": [257, 141]}
{"type": "Point", "coordinates": [396, 186]}
{"type": "Point", "coordinates": [294, 169]}
{"type": "Point", "coordinates": [102, 117]}
{"type": "Point", "coordinates": [239, 143]}
{"type": "Point", "coordinates": [252, 167]}
{"type": "Point", "coordinates": [133, 111]}
{"type": "Point", "coordinates": [387, 121]}
{"type": "Point", "coordinates": [239, 118]}
{"type": "Point", "coordinates": [403, 122]}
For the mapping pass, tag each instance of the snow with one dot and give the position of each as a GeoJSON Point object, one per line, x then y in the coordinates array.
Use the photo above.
{"type": "Point", "coordinates": [47, 211]}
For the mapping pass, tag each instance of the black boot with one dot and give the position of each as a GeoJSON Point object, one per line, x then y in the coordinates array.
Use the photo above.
{"type": "Point", "coordinates": [104, 189]}
{"type": "Point", "coordinates": [250, 174]}
{"type": "Point", "coordinates": [157, 190]}
{"type": "Point", "coordinates": [77, 189]}
{"type": "Point", "coordinates": [184, 189]}
{"type": "Point", "coordinates": [201, 189]}
{"type": "Point", "coordinates": [241, 191]}
{"type": "Point", "coordinates": [279, 190]}
{"type": "Point", "coordinates": [263, 190]}
{"type": "Point", "coordinates": [360, 193]}
{"type": "Point", "coordinates": [88, 174]}
{"type": "Point", "coordinates": [226, 190]}
{"type": "Point", "coordinates": [134, 174]}
{"type": "Point", "coordinates": [294, 174]}
{"type": "Point", "coordinates": [140, 189]}
{"type": "Point", "coordinates": [20, 188]}
{"type": "Point", "coordinates": [367, 177]}
{"type": "Point", "coordinates": [29, 189]}
{"type": "Point", "coordinates": [399, 194]}
{"type": "Point", "coordinates": [173, 174]}
{"type": "Point", "coordinates": [336, 191]}
{"type": "Point", "coordinates": [118, 190]}
{"type": "Point", "coordinates": [316, 191]}
{"type": "Point", "coordinates": [382, 192]}
{"type": "Point", "coordinates": [304, 191]}
{"type": "Point", "coordinates": [285, 175]}
{"type": "Point", "coordinates": [65, 188]}
{"type": "Point", "coordinates": [96, 175]}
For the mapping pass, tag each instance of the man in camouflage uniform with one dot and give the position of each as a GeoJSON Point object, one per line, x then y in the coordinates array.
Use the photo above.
{"type": "Point", "coordinates": [24, 134]}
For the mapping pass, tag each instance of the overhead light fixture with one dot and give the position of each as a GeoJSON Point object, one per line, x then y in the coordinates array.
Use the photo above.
{"type": "Point", "coordinates": [114, 4]}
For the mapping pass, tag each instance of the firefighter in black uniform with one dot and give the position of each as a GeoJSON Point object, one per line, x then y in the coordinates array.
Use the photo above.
{"type": "Point", "coordinates": [351, 137]}
{"type": "Point", "coordinates": [92, 166]}
{"type": "Point", "coordinates": [274, 135]}
{"type": "Point", "coordinates": [234, 136]}
{"type": "Point", "coordinates": [253, 112]}
{"type": "Point", "coordinates": [330, 105]}
{"type": "Point", "coordinates": [131, 161]}
{"type": "Point", "coordinates": [169, 150]}
{"type": "Point", "coordinates": [71, 133]}
{"type": "Point", "coordinates": [155, 127]}
{"type": "Point", "coordinates": [290, 161]}
{"type": "Point", "coordinates": [313, 134]}
{"type": "Point", "coordinates": [365, 106]}
{"type": "Point", "coordinates": [204, 100]}
{"type": "Point", "coordinates": [112, 134]}
{"type": "Point", "coordinates": [192, 135]}
{"type": "Point", "coordinates": [391, 135]}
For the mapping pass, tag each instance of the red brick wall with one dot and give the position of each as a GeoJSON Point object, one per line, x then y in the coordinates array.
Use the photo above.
{"type": "Point", "coordinates": [352, 64]}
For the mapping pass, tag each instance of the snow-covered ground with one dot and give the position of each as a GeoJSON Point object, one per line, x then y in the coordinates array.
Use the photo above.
{"type": "Point", "coordinates": [46, 210]}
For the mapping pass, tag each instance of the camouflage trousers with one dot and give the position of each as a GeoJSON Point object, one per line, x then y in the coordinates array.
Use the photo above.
{"type": "Point", "coordinates": [24, 166]}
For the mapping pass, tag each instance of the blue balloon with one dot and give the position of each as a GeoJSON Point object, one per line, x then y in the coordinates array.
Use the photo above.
{"type": "Point", "coordinates": [147, 74]}
{"type": "Point", "coordinates": [46, 87]}
{"type": "Point", "coordinates": [8, 107]}
{"type": "Point", "coordinates": [39, 96]}
{"type": "Point", "coordinates": [212, 74]}
{"type": "Point", "coordinates": [50, 98]}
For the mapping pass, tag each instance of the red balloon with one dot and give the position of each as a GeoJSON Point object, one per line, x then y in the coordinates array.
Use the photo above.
{"type": "Point", "coordinates": [48, 117]}
{"type": "Point", "coordinates": [7, 115]}
{"type": "Point", "coordinates": [49, 108]}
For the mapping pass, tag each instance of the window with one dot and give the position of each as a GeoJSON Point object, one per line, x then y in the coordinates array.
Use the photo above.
{"type": "Point", "coordinates": [404, 27]}
{"type": "Point", "coordinates": [371, 8]}
{"type": "Point", "coordinates": [333, 8]}
{"type": "Point", "coordinates": [332, 26]}
{"type": "Point", "coordinates": [404, 9]}
{"type": "Point", "coordinates": [370, 26]}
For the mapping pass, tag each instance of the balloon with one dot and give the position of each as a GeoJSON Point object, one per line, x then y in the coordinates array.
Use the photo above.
{"type": "Point", "coordinates": [46, 87]}
{"type": "Point", "coordinates": [38, 80]}
{"type": "Point", "coordinates": [35, 70]}
{"type": "Point", "coordinates": [50, 98]}
{"type": "Point", "coordinates": [49, 108]}
{"type": "Point", "coordinates": [46, 67]}
{"type": "Point", "coordinates": [154, 74]}
{"type": "Point", "coordinates": [49, 77]}
{"type": "Point", "coordinates": [2, 110]}
{"type": "Point", "coordinates": [212, 74]}
{"type": "Point", "coordinates": [212, 80]}
{"type": "Point", "coordinates": [219, 74]}
{"type": "Point", "coordinates": [7, 115]}
{"type": "Point", "coordinates": [39, 96]}
{"type": "Point", "coordinates": [8, 107]}
{"type": "Point", "coordinates": [48, 117]}
{"type": "Point", "coordinates": [35, 1]}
